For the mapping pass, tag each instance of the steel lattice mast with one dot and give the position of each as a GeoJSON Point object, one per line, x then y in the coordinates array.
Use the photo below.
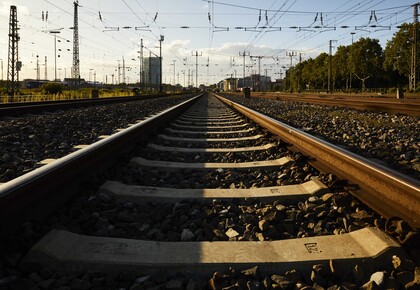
{"type": "Point", "coordinates": [13, 66]}
{"type": "Point", "coordinates": [76, 62]}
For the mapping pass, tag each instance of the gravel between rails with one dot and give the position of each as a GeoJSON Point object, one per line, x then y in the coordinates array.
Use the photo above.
{"type": "Point", "coordinates": [392, 140]}
{"type": "Point", "coordinates": [27, 140]}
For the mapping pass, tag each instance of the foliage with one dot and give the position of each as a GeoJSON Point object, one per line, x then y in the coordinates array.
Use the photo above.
{"type": "Point", "coordinates": [53, 88]}
{"type": "Point", "coordinates": [341, 67]}
{"type": "Point", "coordinates": [366, 59]}
{"type": "Point", "coordinates": [359, 65]}
{"type": "Point", "coordinates": [398, 53]}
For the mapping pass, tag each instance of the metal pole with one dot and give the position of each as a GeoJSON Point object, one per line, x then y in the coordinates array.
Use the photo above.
{"type": "Point", "coordinates": [196, 69]}
{"type": "Point", "coordinates": [196, 54]}
{"type": "Point", "coordinates": [245, 53]}
{"type": "Point", "coordinates": [291, 54]}
{"type": "Point", "coordinates": [352, 34]}
{"type": "Point", "coordinates": [174, 72]}
{"type": "Point", "coordinates": [119, 72]}
{"type": "Point", "coordinates": [55, 57]}
{"type": "Point", "coordinates": [37, 67]}
{"type": "Point", "coordinates": [413, 69]}
{"type": "Point", "coordinates": [330, 67]}
{"type": "Point", "coordinates": [123, 67]}
{"type": "Point", "coordinates": [160, 62]}
{"type": "Point", "coordinates": [140, 62]}
{"type": "Point", "coordinates": [45, 69]}
{"type": "Point", "coordinates": [55, 52]}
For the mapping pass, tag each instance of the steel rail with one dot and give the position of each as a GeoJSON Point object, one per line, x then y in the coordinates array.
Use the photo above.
{"type": "Point", "coordinates": [388, 192]}
{"type": "Point", "coordinates": [37, 194]}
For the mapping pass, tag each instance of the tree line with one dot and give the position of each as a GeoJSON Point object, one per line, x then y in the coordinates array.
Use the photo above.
{"type": "Point", "coordinates": [363, 64]}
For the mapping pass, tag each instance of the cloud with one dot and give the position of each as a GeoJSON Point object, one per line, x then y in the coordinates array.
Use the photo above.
{"type": "Point", "coordinates": [5, 8]}
{"type": "Point", "coordinates": [228, 50]}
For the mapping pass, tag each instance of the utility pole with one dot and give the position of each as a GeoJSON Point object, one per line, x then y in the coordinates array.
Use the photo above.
{"type": "Point", "coordinates": [55, 52]}
{"type": "Point", "coordinates": [174, 61]}
{"type": "Point", "coordinates": [45, 69]}
{"type": "Point", "coordinates": [259, 57]}
{"type": "Point", "coordinates": [244, 54]}
{"type": "Point", "coordinates": [208, 71]}
{"type": "Point", "coordinates": [280, 66]}
{"type": "Point", "coordinates": [330, 67]}
{"type": "Point", "coordinates": [38, 74]}
{"type": "Point", "coordinates": [141, 78]}
{"type": "Point", "coordinates": [14, 64]}
{"type": "Point", "coordinates": [76, 61]}
{"type": "Point", "coordinates": [299, 72]}
{"type": "Point", "coordinates": [352, 34]}
{"type": "Point", "coordinates": [123, 68]}
{"type": "Point", "coordinates": [413, 69]}
{"type": "Point", "coordinates": [119, 72]}
{"type": "Point", "coordinates": [150, 68]}
{"type": "Point", "coordinates": [291, 55]}
{"type": "Point", "coordinates": [183, 72]}
{"type": "Point", "coordinates": [196, 54]}
{"type": "Point", "coordinates": [160, 62]}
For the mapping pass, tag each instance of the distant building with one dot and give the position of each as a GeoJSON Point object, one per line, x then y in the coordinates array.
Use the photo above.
{"type": "Point", "coordinates": [151, 70]}
{"type": "Point", "coordinates": [230, 84]}
{"type": "Point", "coordinates": [74, 82]}
{"type": "Point", "coordinates": [246, 83]}
{"type": "Point", "coordinates": [32, 84]}
{"type": "Point", "coordinates": [260, 83]}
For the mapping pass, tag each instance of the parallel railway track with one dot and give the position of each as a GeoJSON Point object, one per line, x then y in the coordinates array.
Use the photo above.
{"type": "Point", "coordinates": [18, 109]}
{"type": "Point", "coordinates": [393, 106]}
{"type": "Point", "coordinates": [224, 193]}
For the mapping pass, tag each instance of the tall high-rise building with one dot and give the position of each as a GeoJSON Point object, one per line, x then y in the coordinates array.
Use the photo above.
{"type": "Point", "coordinates": [151, 68]}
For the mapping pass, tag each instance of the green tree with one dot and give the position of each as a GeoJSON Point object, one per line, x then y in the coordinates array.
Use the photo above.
{"type": "Point", "coordinates": [321, 71]}
{"type": "Point", "coordinates": [366, 59]}
{"type": "Point", "coordinates": [398, 54]}
{"type": "Point", "coordinates": [53, 88]}
{"type": "Point", "coordinates": [308, 78]}
{"type": "Point", "coordinates": [340, 68]}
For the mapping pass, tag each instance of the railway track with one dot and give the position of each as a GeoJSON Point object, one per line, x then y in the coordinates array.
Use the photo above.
{"type": "Point", "coordinates": [214, 197]}
{"type": "Point", "coordinates": [394, 106]}
{"type": "Point", "coordinates": [18, 109]}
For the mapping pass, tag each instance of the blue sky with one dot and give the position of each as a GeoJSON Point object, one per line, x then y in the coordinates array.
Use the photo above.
{"type": "Point", "coordinates": [110, 30]}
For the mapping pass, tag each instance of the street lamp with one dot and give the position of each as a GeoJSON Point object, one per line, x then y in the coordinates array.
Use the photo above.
{"type": "Point", "coordinates": [55, 32]}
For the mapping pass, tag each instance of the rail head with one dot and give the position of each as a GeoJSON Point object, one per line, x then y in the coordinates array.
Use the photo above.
{"type": "Point", "coordinates": [387, 191]}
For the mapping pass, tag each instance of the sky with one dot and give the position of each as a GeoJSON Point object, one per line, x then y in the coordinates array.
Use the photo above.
{"type": "Point", "coordinates": [209, 36]}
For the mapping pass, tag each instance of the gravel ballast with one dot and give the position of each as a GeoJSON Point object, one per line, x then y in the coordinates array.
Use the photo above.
{"type": "Point", "coordinates": [389, 139]}
{"type": "Point", "coordinates": [30, 139]}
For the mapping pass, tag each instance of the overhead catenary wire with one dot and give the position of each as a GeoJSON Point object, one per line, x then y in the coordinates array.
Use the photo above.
{"type": "Point", "coordinates": [123, 38]}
